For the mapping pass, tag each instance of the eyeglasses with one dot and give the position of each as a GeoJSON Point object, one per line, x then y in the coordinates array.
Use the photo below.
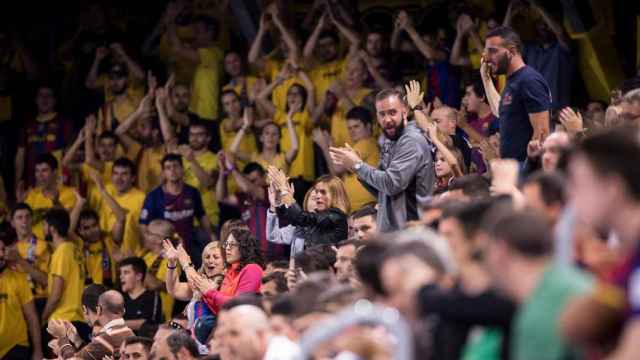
{"type": "Point", "coordinates": [174, 325]}
{"type": "Point", "coordinates": [230, 244]}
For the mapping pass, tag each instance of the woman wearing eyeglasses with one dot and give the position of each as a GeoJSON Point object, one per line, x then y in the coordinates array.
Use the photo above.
{"type": "Point", "coordinates": [244, 270]}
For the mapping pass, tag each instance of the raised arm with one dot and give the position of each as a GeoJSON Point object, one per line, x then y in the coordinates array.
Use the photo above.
{"type": "Point", "coordinates": [395, 35]}
{"type": "Point", "coordinates": [175, 288]}
{"type": "Point", "coordinates": [293, 150]}
{"type": "Point", "coordinates": [92, 78]}
{"type": "Point", "coordinates": [89, 141]}
{"type": "Point", "coordinates": [351, 36]}
{"type": "Point", "coordinates": [425, 49]}
{"type": "Point", "coordinates": [310, 46]}
{"type": "Point", "coordinates": [323, 139]}
{"type": "Point", "coordinates": [256, 47]}
{"type": "Point", "coordinates": [168, 135]}
{"type": "Point", "coordinates": [134, 68]}
{"type": "Point", "coordinates": [235, 145]}
{"type": "Point", "coordinates": [144, 105]}
{"type": "Point", "coordinates": [222, 192]}
{"type": "Point", "coordinates": [555, 27]}
{"type": "Point", "coordinates": [287, 36]}
{"type": "Point", "coordinates": [311, 90]}
{"type": "Point", "coordinates": [117, 231]}
{"type": "Point", "coordinates": [67, 160]}
{"type": "Point", "coordinates": [263, 97]}
{"type": "Point", "coordinates": [462, 29]}
{"type": "Point", "coordinates": [493, 97]}
{"type": "Point", "coordinates": [431, 129]}
{"type": "Point", "coordinates": [381, 82]}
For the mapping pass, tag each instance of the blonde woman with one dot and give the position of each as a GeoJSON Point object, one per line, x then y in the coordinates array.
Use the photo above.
{"type": "Point", "coordinates": [201, 319]}
{"type": "Point", "coordinates": [328, 224]}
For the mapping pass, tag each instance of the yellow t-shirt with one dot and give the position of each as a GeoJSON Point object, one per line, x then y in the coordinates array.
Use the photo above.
{"type": "Point", "coordinates": [247, 145]}
{"type": "Point", "coordinates": [40, 204]}
{"type": "Point", "coordinates": [67, 262]}
{"type": "Point", "coordinates": [205, 90]}
{"type": "Point", "coordinates": [150, 168]}
{"type": "Point", "coordinates": [323, 75]}
{"type": "Point", "coordinates": [370, 154]}
{"type": "Point", "coordinates": [279, 94]}
{"type": "Point", "coordinates": [303, 164]}
{"type": "Point", "coordinates": [135, 87]}
{"type": "Point", "coordinates": [38, 254]}
{"type": "Point", "coordinates": [131, 201]}
{"type": "Point", "coordinates": [182, 67]}
{"type": "Point", "coordinates": [113, 113]}
{"type": "Point", "coordinates": [339, 130]}
{"type": "Point", "coordinates": [279, 161]}
{"type": "Point", "coordinates": [15, 292]}
{"type": "Point", "coordinates": [160, 274]}
{"type": "Point", "coordinates": [209, 163]}
{"type": "Point", "coordinates": [97, 256]}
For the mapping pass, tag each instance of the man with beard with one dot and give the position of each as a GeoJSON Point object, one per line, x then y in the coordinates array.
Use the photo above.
{"type": "Point", "coordinates": [123, 102]}
{"type": "Point", "coordinates": [19, 312]}
{"type": "Point", "coordinates": [550, 54]}
{"type": "Point", "coordinates": [523, 108]}
{"type": "Point", "coordinates": [406, 171]}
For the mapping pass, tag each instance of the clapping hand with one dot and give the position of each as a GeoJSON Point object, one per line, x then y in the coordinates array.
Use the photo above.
{"type": "Point", "coordinates": [571, 120]}
{"type": "Point", "coordinates": [344, 156]}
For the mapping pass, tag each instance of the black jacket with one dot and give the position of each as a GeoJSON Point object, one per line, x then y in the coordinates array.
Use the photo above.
{"type": "Point", "coordinates": [326, 227]}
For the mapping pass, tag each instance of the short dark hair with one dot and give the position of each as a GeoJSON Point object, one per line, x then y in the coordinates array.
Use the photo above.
{"type": "Point", "coordinates": [472, 185]}
{"type": "Point", "coordinates": [8, 234]}
{"type": "Point", "coordinates": [144, 341]}
{"type": "Point", "coordinates": [279, 264]}
{"type": "Point", "coordinates": [367, 210]}
{"type": "Point", "coordinates": [21, 206]}
{"type": "Point", "coordinates": [279, 279]}
{"type": "Point", "coordinates": [229, 92]}
{"type": "Point", "coordinates": [48, 159]}
{"type": "Point", "coordinates": [552, 187]}
{"type": "Point", "coordinates": [88, 214]}
{"type": "Point", "coordinates": [470, 215]}
{"type": "Point", "coordinates": [179, 340]}
{"type": "Point", "coordinates": [91, 294]}
{"type": "Point", "coordinates": [283, 305]}
{"type": "Point", "coordinates": [200, 124]}
{"type": "Point", "coordinates": [107, 134]}
{"type": "Point", "coordinates": [478, 89]}
{"type": "Point", "coordinates": [611, 152]}
{"type": "Point", "coordinates": [367, 264]}
{"type": "Point", "coordinates": [316, 258]}
{"type": "Point", "coordinates": [173, 158]}
{"type": "Point", "coordinates": [356, 243]}
{"type": "Point", "coordinates": [360, 113]}
{"type": "Point", "coordinates": [525, 232]}
{"type": "Point", "coordinates": [243, 299]}
{"type": "Point", "coordinates": [509, 36]}
{"type": "Point", "coordinates": [390, 92]}
{"type": "Point", "coordinates": [58, 218]}
{"type": "Point", "coordinates": [138, 265]}
{"type": "Point", "coordinates": [124, 162]}
{"type": "Point", "coordinates": [251, 167]}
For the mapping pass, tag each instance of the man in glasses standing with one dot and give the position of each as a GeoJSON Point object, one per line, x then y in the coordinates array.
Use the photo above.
{"type": "Point", "coordinates": [524, 105]}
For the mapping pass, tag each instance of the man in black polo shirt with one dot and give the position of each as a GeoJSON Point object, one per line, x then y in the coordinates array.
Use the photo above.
{"type": "Point", "coordinates": [143, 308]}
{"type": "Point", "coordinates": [523, 108]}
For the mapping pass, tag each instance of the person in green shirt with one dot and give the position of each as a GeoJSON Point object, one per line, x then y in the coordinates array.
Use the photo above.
{"type": "Point", "coordinates": [519, 257]}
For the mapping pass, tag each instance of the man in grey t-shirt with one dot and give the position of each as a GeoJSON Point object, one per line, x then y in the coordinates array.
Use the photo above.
{"type": "Point", "coordinates": [406, 170]}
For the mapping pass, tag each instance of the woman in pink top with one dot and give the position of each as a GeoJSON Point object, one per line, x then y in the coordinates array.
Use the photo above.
{"type": "Point", "coordinates": [244, 270]}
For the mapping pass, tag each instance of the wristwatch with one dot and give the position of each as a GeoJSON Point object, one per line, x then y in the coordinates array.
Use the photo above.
{"type": "Point", "coordinates": [358, 165]}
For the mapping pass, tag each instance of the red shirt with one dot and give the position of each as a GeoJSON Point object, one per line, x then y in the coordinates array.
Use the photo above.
{"type": "Point", "coordinates": [247, 280]}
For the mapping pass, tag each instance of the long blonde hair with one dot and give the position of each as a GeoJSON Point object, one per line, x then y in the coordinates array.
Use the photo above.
{"type": "Point", "coordinates": [339, 198]}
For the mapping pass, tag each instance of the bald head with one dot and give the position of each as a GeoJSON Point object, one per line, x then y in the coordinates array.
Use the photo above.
{"type": "Point", "coordinates": [249, 316]}
{"type": "Point", "coordinates": [446, 118]}
{"type": "Point", "coordinates": [112, 303]}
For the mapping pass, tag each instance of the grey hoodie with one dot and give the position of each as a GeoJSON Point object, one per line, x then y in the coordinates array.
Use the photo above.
{"type": "Point", "coordinates": [405, 174]}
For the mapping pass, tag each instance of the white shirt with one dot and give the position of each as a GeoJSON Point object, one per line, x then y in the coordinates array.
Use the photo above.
{"type": "Point", "coordinates": [281, 348]}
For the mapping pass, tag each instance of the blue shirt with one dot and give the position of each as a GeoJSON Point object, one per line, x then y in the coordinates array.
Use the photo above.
{"type": "Point", "coordinates": [526, 92]}
{"type": "Point", "coordinates": [179, 209]}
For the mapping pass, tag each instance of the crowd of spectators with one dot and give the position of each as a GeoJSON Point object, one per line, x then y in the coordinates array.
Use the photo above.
{"type": "Point", "coordinates": [241, 182]}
